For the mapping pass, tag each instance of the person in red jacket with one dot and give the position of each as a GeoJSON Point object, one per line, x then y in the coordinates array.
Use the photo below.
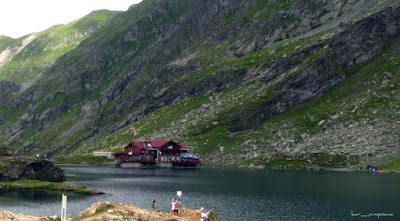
{"type": "Point", "coordinates": [176, 208]}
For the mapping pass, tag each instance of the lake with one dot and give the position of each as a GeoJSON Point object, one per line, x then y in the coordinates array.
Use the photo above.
{"type": "Point", "coordinates": [235, 194]}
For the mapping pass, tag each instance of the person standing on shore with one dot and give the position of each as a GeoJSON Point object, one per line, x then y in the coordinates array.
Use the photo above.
{"type": "Point", "coordinates": [153, 205]}
{"type": "Point", "coordinates": [204, 214]}
{"type": "Point", "coordinates": [173, 207]}
{"type": "Point", "coordinates": [176, 209]}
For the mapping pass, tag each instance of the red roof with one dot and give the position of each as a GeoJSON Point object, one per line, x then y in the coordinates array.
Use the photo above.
{"type": "Point", "coordinates": [136, 144]}
{"type": "Point", "coordinates": [182, 146]}
{"type": "Point", "coordinates": [156, 144]}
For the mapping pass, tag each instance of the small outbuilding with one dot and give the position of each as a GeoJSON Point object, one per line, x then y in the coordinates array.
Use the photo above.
{"type": "Point", "coordinates": [105, 154]}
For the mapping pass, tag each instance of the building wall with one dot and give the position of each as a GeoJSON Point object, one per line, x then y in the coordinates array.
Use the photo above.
{"type": "Point", "coordinates": [168, 152]}
{"type": "Point", "coordinates": [135, 150]}
{"type": "Point", "coordinates": [107, 155]}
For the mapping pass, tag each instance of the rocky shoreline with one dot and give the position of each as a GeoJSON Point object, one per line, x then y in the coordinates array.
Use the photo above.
{"type": "Point", "coordinates": [114, 211]}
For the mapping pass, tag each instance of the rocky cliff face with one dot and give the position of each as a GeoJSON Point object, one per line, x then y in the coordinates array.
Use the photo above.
{"type": "Point", "coordinates": [232, 79]}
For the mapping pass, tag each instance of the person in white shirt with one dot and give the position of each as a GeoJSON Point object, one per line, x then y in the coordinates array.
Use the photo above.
{"type": "Point", "coordinates": [173, 207]}
{"type": "Point", "coordinates": [176, 209]}
{"type": "Point", "coordinates": [204, 214]}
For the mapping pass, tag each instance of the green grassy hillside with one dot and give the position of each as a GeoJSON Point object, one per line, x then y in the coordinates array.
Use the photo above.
{"type": "Point", "coordinates": [36, 52]}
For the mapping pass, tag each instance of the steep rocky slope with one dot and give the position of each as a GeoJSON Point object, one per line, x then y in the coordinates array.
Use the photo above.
{"type": "Point", "coordinates": [235, 80]}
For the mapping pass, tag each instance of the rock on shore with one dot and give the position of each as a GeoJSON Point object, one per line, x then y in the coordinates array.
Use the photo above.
{"type": "Point", "coordinates": [119, 211]}
{"type": "Point", "coordinates": [112, 211]}
{"type": "Point", "coordinates": [15, 168]}
{"type": "Point", "coordinates": [8, 216]}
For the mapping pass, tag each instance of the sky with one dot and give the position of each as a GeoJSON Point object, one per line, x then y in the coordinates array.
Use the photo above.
{"type": "Point", "coordinates": [22, 17]}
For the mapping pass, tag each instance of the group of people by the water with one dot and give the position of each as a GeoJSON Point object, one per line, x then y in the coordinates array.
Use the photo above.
{"type": "Point", "coordinates": [204, 214]}
{"type": "Point", "coordinates": [175, 207]}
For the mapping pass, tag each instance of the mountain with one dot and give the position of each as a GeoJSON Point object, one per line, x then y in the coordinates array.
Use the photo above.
{"type": "Point", "coordinates": [236, 81]}
{"type": "Point", "coordinates": [23, 60]}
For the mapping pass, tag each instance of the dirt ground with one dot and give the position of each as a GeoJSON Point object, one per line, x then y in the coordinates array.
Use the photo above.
{"type": "Point", "coordinates": [112, 212]}
{"type": "Point", "coordinates": [118, 211]}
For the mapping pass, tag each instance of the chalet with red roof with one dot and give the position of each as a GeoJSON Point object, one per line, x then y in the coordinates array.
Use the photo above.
{"type": "Point", "coordinates": [163, 153]}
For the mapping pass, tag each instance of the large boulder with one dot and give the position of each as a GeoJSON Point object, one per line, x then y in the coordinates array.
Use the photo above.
{"type": "Point", "coordinates": [15, 168]}
{"type": "Point", "coordinates": [9, 216]}
{"type": "Point", "coordinates": [43, 170]}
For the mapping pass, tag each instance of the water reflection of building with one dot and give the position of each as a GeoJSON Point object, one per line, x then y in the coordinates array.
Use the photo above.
{"type": "Point", "coordinates": [163, 153]}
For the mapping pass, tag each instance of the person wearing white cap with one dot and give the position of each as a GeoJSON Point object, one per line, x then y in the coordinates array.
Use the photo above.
{"type": "Point", "coordinates": [204, 214]}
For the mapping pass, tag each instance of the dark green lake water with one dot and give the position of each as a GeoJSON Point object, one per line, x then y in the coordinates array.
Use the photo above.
{"type": "Point", "coordinates": [235, 194]}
